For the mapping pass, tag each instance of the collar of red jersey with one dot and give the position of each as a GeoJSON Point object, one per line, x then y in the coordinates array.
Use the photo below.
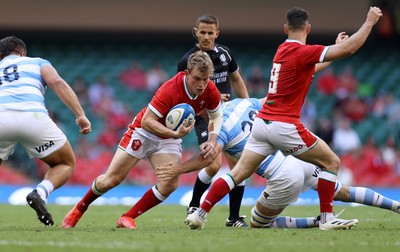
{"type": "Point", "coordinates": [293, 40]}
{"type": "Point", "coordinates": [187, 89]}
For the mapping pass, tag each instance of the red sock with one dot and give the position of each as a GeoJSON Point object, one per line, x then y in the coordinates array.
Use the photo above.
{"type": "Point", "coordinates": [84, 203]}
{"type": "Point", "coordinates": [218, 190]}
{"type": "Point", "coordinates": [326, 190]}
{"type": "Point", "coordinates": [148, 201]}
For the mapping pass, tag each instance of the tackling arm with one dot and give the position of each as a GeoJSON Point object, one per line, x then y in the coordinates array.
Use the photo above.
{"type": "Point", "coordinates": [215, 124]}
{"type": "Point", "coordinates": [197, 162]}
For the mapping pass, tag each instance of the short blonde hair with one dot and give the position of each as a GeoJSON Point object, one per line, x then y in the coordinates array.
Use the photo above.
{"type": "Point", "coordinates": [201, 61]}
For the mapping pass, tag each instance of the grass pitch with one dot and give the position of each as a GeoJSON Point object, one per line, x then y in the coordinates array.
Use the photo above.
{"type": "Point", "coordinates": [162, 229]}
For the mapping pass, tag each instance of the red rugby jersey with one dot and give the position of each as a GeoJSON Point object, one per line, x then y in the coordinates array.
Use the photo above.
{"type": "Point", "coordinates": [175, 91]}
{"type": "Point", "coordinates": [291, 76]}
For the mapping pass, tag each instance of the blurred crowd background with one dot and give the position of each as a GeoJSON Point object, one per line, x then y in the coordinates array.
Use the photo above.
{"type": "Point", "coordinates": [115, 54]}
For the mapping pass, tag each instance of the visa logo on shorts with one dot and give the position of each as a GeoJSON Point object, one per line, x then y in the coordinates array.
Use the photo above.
{"type": "Point", "coordinates": [44, 147]}
{"type": "Point", "coordinates": [316, 172]}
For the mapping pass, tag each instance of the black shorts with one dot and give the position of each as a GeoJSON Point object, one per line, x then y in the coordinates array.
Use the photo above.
{"type": "Point", "coordinates": [201, 128]}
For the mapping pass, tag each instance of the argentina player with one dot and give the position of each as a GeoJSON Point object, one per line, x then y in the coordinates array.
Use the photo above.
{"type": "Point", "coordinates": [24, 118]}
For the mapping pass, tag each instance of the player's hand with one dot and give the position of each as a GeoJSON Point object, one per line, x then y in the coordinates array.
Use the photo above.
{"type": "Point", "coordinates": [167, 171]}
{"type": "Point", "coordinates": [342, 36]}
{"type": "Point", "coordinates": [225, 97]}
{"type": "Point", "coordinates": [374, 14]}
{"type": "Point", "coordinates": [184, 128]}
{"type": "Point", "coordinates": [208, 151]}
{"type": "Point", "coordinates": [84, 124]}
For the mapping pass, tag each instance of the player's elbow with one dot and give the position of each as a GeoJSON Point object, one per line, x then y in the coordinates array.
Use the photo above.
{"type": "Point", "coordinates": [146, 124]}
{"type": "Point", "coordinates": [340, 52]}
{"type": "Point", "coordinates": [350, 51]}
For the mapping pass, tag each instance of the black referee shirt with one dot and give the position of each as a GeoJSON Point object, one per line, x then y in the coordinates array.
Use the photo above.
{"type": "Point", "coordinates": [224, 64]}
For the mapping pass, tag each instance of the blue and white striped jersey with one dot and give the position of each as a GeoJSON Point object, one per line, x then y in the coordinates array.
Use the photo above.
{"type": "Point", "coordinates": [21, 85]}
{"type": "Point", "coordinates": [239, 115]}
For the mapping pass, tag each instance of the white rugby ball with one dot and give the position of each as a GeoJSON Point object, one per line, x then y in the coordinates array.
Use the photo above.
{"type": "Point", "coordinates": [177, 114]}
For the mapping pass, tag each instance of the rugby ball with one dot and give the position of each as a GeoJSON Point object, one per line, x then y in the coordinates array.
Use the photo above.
{"type": "Point", "coordinates": [177, 114]}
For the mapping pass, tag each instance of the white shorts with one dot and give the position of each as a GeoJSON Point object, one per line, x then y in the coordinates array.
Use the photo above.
{"type": "Point", "coordinates": [292, 177]}
{"type": "Point", "coordinates": [141, 144]}
{"type": "Point", "coordinates": [35, 131]}
{"type": "Point", "coordinates": [291, 139]}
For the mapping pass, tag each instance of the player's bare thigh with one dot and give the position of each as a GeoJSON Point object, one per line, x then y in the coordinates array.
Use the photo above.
{"type": "Point", "coordinates": [295, 139]}
{"type": "Point", "coordinates": [322, 156]}
{"type": "Point", "coordinates": [246, 166]}
{"type": "Point", "coordinates": [120, 166]}
{"type": "Point", "coordinates": [64, 155]}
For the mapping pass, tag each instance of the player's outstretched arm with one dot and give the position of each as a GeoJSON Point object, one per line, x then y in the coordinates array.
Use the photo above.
{"type": "Point", "coordinates": [354, 42]}
{"type": "Point", "coordinates": [66, 95]}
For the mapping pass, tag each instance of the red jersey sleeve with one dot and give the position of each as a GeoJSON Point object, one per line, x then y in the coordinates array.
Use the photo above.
{"type": "Point", "coordinates": [162, 101]}
{"type": "Point", "coordinates": [312, 54]}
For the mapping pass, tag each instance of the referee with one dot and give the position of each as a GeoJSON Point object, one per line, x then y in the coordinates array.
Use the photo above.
{"type": "Point", "coordinates": [226, 77]}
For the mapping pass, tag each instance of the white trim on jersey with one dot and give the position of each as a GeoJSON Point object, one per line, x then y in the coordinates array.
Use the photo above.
{"type": "Point", "coordinates": [230, 58]}
{"type": "Point", "coordinates": [323, 54]}
{"type": "Point", "coordinates": [155, 111]}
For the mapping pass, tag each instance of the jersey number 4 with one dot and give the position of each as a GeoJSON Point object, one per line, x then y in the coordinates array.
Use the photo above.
{"type": "Point", "coordinates": [273, 82]}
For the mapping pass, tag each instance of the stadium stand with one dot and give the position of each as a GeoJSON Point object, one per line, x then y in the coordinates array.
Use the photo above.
{"type": "Point", "coordinates": [376, 71]}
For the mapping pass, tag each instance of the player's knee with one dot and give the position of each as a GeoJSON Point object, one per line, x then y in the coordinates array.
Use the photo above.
{"type": "Point", "coordinates": [70, 170]}
{"type": "Point", "coordinates": [173, 185]}
{"type": "Point", "coordinates": [111, 182]}
{"type": "Point", "coordinates": [332, 165]}
{"type": "Point", "coordinates": [168, 187]}
{"type": "Point", "coordinates": [212, 170]}
{"type": "Point", "coordinates": [71, 164]}
{"type": "Point", "coordinates": [336, 162]}
{"type": "Point", "coordinates": [259, 220]}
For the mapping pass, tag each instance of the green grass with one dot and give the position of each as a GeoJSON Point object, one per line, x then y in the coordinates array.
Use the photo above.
{"type": "Point", "coordinates": [162, 229]}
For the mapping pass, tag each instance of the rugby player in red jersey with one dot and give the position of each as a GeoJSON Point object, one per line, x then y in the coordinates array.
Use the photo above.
{"type": "Point", "coordinates": [147, 137]}
{"type": "Point", "coordinates": [278, 126]}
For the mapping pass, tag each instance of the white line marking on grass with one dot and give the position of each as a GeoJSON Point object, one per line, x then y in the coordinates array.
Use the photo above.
{"type": "Point", "coordinates": [108, 245]}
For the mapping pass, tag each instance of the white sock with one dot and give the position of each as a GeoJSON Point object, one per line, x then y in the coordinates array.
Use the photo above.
{"type": "Point", "coordinates": [204, 177]}
{"type": "Point", "coordinates": [326, 216]}
{"type": "Point", "coordinates": [44, 189]}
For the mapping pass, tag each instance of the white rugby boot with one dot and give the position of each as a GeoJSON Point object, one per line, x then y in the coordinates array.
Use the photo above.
{"type": "Point", "coordinates": [197, 219]}
{"type": "Point", "coordinates": [335, 223]}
